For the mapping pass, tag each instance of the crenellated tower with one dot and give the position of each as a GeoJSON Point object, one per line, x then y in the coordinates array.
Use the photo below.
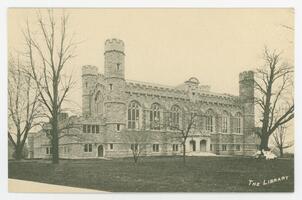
{"type": "Point", "coordinates": [114, 103]}
{"type": "Point", "coordinates": [89, 80]}
{"type": "Point", "coordinates": [246, 95]}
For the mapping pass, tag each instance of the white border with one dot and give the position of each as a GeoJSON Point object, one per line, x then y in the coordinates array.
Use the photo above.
{"type": "Point", "coordinates": [149, 3]}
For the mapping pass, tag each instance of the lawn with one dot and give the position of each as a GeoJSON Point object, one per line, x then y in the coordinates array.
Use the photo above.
{"type": "Point", "coordinates": [161, 174]}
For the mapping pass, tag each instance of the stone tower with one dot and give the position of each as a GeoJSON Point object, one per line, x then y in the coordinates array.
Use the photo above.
{"type": "Point", "coordinates": [114, 103]}
{"type": "Point", "coordinates": [246, 95]}
{"type": "Point", "coordinates": [89, 79]}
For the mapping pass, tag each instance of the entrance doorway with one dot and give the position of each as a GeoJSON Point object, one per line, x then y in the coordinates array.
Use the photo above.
{"type": "Point", "coordinates": [193, 145]}
{"type": "Point", "coordinates": [100, 151]}
{"type": "Point", "coordinates": [203, 145]}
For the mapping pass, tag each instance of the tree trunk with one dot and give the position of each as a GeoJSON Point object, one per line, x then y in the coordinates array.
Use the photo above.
{"type": "Point", "coordinates": [55, 116]}
{"type": "Point", "coordinates": [18, 152]}
{"type": "Point", "coordinates": [264, 142]}
{"type": "Point", "coordinates": [18, 148]}
{"type": "Point", "coordinates": [281, 151]}
{"type": "Point", "coordinates": [184, 153]}
{"type": "Point", "coordinates": [55, 140]}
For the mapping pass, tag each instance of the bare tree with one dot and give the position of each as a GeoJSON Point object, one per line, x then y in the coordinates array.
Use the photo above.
{"type": "Point", "coordinates": [140, 138]}
{"type": "Point", "coordinates": [23, 105]}
{"type": "Point", "coordinates": [49, 49]}
{"type": "Point", "coordinates": [66, 124]}
{"type": "Point", "coordinates": [274, 98]}
{"type": "Point", "coordinates": [186, 129]}
{"type": "Point", "coordinates": [138, 141]}
{"type": "Point", "coordinates": [279, 139]}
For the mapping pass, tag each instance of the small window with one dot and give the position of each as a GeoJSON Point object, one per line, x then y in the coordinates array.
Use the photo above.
{"type": "Point", "coordinates": [93, 128]}
{"type": "Point", "coordinates": [118, 66]}
{"type": "Point", "coordinates": [88, 128]}
{"type": "Point", "coordinates": [111, 146]}
{"type": "Point", "coordinates": [155, 147]}
{"type": "Point", "coordinates": [97, 127]}
{"type": "Point", "coordinates": [118, 127]}
{"type": "Point", "coordinates": [48, 150]}
{"type": "Point", "coordinates": [224, 147]}
{"type": "Point", "coordinates": [86, 84]}
{"type": "Point", "coordinates": [110, 87]}
{"type": "Point", "coordinates": [211, 147]}
{"type": "Point", "coordinates": [88, 148]}
{"type": "Point", "coordinates": [175, 147]}
{"type": "Point", "coordinates": [238, 147]}
{"type": "Point", "coordinates": [134, 147]}
{"type": "Point", "coordinates": [84, 128]}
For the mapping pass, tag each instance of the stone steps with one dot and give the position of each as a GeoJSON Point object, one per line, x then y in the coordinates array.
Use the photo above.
{"type": "Point", "coordinates": [200, 154]}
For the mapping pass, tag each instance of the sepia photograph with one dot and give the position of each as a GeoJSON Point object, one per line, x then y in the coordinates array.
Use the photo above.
{"type": "Point", "coordinates": [150, 99]}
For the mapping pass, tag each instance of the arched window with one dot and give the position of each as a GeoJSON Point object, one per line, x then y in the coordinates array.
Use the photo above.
{"type": "Point", "coordinates": [225, 122]}
{"type": "Point", "coordinates": [210, 120]}
{"type": "Point", "coordinates": [175, 116]}
{"type": "Point", "coordinates": [99, 103]}
{"type": "Point", "coordinates": [155, 117]}
{"type": "Point", "coordinates": [237, 123]}
{"type": "Point", "coordinates": [133, 115]}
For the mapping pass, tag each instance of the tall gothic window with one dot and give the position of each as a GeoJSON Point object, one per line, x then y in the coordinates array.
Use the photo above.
{"type": "Point", "coordinates": [99, 103]}
{"type": "Point", "coordinates": [225, 122]}
{"type": "Point", "coordinates": [175, 116]}
{"type": "Point", "coordinates": [133, 115]}
{"type": "Point", "coordinates": [237, 123]}
{"type": "Point", "coordinates": [210, 121]}
{"type": "Point", "coordinates": [155, 117]}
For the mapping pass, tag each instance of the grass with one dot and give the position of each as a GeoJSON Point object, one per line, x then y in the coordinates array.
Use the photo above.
{"type": "Point", "coordinates": [160, 174]}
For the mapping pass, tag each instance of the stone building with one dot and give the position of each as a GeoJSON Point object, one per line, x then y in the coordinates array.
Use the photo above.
{"type": "Point", "coordinates": [119, 115]}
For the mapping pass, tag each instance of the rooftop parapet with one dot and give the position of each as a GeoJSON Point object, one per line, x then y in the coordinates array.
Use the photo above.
{"type": "Point", "coordinates": [246, 75]}
{"type": "Point", "coordinates": [114, 45]}
{"type": "Point", "coordinates": [168, 90]}
{"type": "Point", "coordinates": [89, 70]}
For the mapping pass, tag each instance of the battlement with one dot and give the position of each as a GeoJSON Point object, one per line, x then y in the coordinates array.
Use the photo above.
{"type": "Point", "coordinates": [246, 75]}
{"type": "Point", "coordinates": [170, 91]}
{"type": "Point", "coordinates": [89, 70]}
{"type": "Point", "coordinates": [114, 45]}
